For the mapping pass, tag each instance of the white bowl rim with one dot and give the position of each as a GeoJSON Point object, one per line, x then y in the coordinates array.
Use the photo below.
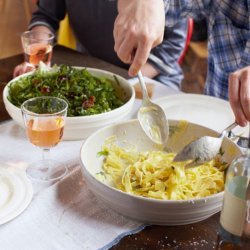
{"type": "Point", "coordinates": [113, 189]}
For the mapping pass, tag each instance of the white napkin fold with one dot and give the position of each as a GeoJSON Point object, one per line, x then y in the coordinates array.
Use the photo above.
{"type": "Point", "coordinates": [63, 216]}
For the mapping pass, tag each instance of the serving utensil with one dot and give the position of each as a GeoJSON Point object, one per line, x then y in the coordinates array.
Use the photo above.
{"type": "Point", "coordinates": [244, 142]}
{"type": "Point", "coordinates": [203, 149]}
{"type": "Point", "coordinates": [152, 117]}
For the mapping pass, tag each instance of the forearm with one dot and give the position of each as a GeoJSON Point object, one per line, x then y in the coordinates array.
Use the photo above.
{"type": "Point", "coordinates": [49, 13]}
{"type": "Point", "coordinates": [41, 28]}
{"type": "Point", "coordinates": [239, 94]}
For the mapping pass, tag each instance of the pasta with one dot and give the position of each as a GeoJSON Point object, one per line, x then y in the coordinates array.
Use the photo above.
{"type": "Point", "coordinates": [154, 174]}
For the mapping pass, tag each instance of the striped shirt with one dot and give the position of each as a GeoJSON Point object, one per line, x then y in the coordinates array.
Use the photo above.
{"type": "Point", "coordinates": [228, 36]}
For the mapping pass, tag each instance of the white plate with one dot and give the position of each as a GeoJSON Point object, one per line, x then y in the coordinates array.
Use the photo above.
{"type": "Point", "coordinates": [207, 111]}
{"type": "Point", "coordinates": [16, 193]}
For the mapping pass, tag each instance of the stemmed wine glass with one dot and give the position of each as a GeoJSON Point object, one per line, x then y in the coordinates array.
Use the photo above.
{"type": "Point", "coordinates": [44, 119]}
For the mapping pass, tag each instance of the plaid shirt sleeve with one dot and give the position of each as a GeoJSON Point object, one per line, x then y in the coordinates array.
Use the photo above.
{"type": "Point", "coordinates": [228, 37]}
{"type": "Point", "coordinates": [183, 8]}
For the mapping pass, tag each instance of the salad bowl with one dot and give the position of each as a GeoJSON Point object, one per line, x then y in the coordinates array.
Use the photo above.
{"type": "Point", "coordinates": [144, 209]}
{"type": "Point", "coordinates": [80, 127]}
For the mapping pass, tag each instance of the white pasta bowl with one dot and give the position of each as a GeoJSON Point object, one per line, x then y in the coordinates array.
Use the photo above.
{"type": "Point", "coordinates": [150, 210]}
{"type": "Point", "coordinates": [80, 127]}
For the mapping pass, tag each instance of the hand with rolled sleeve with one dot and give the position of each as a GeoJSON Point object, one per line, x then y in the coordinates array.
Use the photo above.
{"type": "Point", "coordinates": [239, 95]}
{"type": "Point", "coordinates": [138, 25]}
{"type": "Point", "coordinates": [228, 75]}
{"type": "Point", "coordinates": [138, 28]}
{"type": "Point", "coordinates": [23, 68]}
{"type": "Point", "coordinates": [27, 67]}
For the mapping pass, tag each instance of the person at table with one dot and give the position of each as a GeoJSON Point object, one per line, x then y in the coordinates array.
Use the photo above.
{"type": "Point", "coordinates": [228, 74]}
{"type": "Point", "coordinates": [93, 21]}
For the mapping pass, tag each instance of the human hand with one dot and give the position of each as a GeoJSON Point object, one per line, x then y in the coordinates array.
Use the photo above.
{"type": "Point", "coordinates": [239, 95]}
{"type": "Point", "coordinates": [25, 66]}
{"type": "Point", "coordinates": [22, 69]}
{"type": "Point", "coordinates": [138, 28]}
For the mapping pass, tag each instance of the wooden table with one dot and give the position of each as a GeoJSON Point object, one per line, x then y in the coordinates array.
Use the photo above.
{"type": "Point", "coordinates": [202, 235]}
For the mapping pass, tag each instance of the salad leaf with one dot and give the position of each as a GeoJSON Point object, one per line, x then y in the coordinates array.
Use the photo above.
{"type": "Point", "coordinates": [86, 94]}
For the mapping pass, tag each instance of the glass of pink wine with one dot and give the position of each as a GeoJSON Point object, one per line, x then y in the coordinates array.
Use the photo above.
{"type": "Point", "coordinates": [37, 46]}
{"type": "Point", "coordinates": [44, 118]}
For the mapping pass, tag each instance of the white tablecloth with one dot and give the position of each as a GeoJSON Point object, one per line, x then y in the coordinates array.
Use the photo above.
{"type": "Point", "coordinates": [65, 215]}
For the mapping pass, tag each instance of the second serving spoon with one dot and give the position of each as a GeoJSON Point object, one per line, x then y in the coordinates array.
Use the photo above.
{"type": "Point", "coordinates": [203, 149]}
{"type": "Point", "coordinates": [152, 117]}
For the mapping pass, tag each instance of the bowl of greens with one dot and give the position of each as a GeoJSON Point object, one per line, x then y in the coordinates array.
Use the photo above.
{"type": "Point", "coordinates": [96, 98]}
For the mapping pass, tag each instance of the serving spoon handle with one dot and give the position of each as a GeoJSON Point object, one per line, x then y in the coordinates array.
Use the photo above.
{"type": "Point", "coordinates": [152, 117]}
{"type": "Point", "coordinates": [228, 129]}
{"type": "Point", "coordinates": [143, 87]}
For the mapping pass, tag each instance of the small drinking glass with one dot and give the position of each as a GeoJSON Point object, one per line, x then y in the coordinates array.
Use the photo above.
{"type": "Point", "coordinates": [44, 118]}
{"type": "Point", "coordinates": [37, 46]}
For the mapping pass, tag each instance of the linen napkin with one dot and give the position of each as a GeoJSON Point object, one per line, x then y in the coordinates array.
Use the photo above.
{"type": "Point", "coordinates": [65, 215]}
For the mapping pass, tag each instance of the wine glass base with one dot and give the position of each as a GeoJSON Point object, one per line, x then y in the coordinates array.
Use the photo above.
{"type": "Point", "coordinates": [46, 170]}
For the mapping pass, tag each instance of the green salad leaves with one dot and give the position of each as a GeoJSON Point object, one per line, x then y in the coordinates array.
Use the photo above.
{"type": "Point", "coordinates": [86, 94]}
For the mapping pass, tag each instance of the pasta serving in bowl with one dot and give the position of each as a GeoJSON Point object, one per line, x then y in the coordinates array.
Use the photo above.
{"type": "Point", "coordinates": [136, 178]}
{"type": "Point", "coordinates": [153, 174]}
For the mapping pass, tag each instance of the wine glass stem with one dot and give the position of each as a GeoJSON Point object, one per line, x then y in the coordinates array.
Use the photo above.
{"type": "Point", "coordinates": [46, 153]}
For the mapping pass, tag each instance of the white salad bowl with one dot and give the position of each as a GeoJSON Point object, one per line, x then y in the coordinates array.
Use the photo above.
{"type": "Point", "coordinates": [149, 210]}
{"type": "Point", "coordinates": [80, 127]}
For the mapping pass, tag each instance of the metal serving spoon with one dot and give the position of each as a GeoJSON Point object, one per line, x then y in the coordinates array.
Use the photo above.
{"type": "Point", "coordinates": [152, 117]}
{"type": "Point", "coordinates": [203, 149]}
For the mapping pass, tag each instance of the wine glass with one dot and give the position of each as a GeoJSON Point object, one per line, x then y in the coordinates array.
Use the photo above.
{"type": "Point", "coordinates": [37, 46]}
{"type": "Point", "coordinates": [44, 119]}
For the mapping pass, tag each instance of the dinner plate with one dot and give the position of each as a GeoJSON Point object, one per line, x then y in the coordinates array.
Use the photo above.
{"type": "Point", "coordinates": [204, 110]}
{"type": "Point", "coordinates": [15, 193]}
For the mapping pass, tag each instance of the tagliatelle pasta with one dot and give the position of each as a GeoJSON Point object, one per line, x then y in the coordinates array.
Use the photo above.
{"type": "Point", "coordinates": [154, 174]}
